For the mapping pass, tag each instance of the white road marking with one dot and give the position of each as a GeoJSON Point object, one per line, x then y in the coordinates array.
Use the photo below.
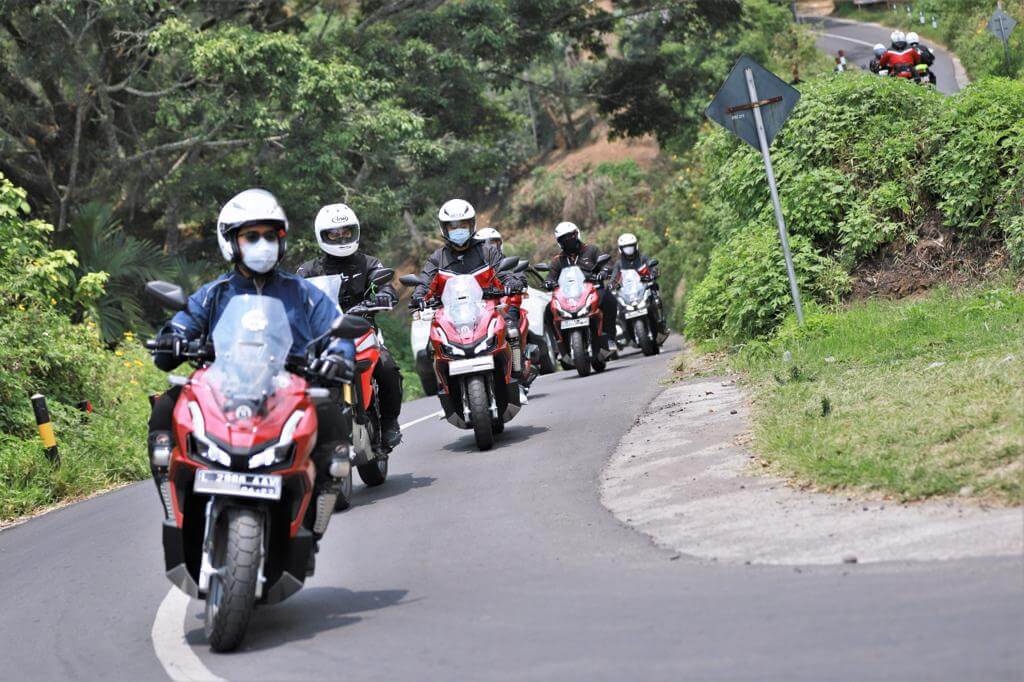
{"type": "Point", "coordinates": [174, 653]}
{"type": "Point", "coordinates": [176, 656]}
{"type": "Point", "coordinates": [414, 422]}
{"type": "Point", "coordinates": [849, 40]}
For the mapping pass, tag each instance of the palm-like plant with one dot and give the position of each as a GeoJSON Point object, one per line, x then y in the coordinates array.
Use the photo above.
{"type": "Point", "coordinates": [102, 246]}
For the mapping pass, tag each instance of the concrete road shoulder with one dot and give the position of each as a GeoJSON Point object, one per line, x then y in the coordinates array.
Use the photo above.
{"type": "Point", "coordinates": [682, 476]}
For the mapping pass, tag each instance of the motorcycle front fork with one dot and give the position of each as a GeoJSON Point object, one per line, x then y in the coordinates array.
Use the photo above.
{"type": "Point", "coordinates": [214, 508]}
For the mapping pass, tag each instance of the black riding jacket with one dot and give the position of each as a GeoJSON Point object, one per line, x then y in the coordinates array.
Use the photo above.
{"type": "Point", "coordinates": [636, 262]}
{"type": "Point", "coordinates": [586, 260]}
{"type": "Point", "coordinates": [473, 259]}
{"type": "Point", "coordinates": [355, 271]}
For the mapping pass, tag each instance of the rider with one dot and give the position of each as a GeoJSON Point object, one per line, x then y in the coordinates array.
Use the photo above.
{"type": "Point", "coordinates": [489, 235]}
{"type": "Point", "coordinates": [337, 231]}
{"type": "Point", "coordinates": [900, 59]}
{"type": "Point", "coordinates": [464, 255]}
{"type": "Point", "coordinates": [926, 56]}
{"type": "Point", "coordinates": [630, 258]}
{"type": "Point", "coordinates": [251, 231]}
{"type": "Point", "coordinates": [873, 65]}
{"type": "Point", "coordinates": [575, 252]}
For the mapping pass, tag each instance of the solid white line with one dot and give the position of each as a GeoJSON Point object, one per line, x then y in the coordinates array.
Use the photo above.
{"type": "Point", "coordinates": [174, 653]}
{"type": "Point", "coordinates": [414, 422]}
{"type": "Point", "coordinates": [176, 656]}
{"type": "Point", "coordinates": [849, 40]}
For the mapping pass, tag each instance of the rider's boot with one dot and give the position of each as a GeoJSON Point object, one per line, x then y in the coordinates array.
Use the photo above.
{"type": "Point", "coordinates": [391, 432]}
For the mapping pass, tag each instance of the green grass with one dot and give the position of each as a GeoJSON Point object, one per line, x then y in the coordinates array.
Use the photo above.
{"type": "Point", "coordinates": [912, 398]}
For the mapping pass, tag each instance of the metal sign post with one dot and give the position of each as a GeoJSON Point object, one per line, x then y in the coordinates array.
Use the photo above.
{"type": "Point", "coordinates": [1001, 25]}
{"type": "Point", "coordinates": [770, 100]}
{"type": "Point", "coordinates": [755, 104]}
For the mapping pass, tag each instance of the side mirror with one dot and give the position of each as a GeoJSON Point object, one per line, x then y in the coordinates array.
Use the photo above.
{"type": "Point", "coordinates": [508, 263]}
{"type": "Point", "coordinates": [166, 294]}
{"type": "Point", "coordinates": [411, 280]}
{"type": "Point", "coordinates": [350, 327]}
{"type": "Point", "coordinates": [602, 259]}
{"type": "Point", "coordinates": [542, 267]}
{"type": "Point", "coordinates": [653, 262]}
{"type": "Point", "coordinates": [382, 276]}
{"type": "Point", "coordinates": [523, 266]}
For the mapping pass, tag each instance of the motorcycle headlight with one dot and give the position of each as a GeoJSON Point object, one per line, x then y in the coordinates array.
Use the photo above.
{"type": "Point", "coordinates": [203, 446]}
{"type": "Point", "coordinates": [282, 450]}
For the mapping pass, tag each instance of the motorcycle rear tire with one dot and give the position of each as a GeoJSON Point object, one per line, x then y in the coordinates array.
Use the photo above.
{"type": "Point", "coordinates": [374, 472]}
{"type": "Point", "coordinates": [643, 336]}
{"type": "Point", "coordinates": [548, 353]}
{"type": "Point", "coordinates": [580, 356]}
{"type": "Point", "coordinates": [238, 544]}
{"type": "Point", "coordinates": [480, 412]}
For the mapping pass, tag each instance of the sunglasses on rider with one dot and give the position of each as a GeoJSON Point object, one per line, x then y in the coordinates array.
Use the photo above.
{"type": "Point", "coordinates": [253, 236]}
{"type": "Point", "coordinates": [456, 224]}
{"type": "Point", "coordinates": [337, 235]}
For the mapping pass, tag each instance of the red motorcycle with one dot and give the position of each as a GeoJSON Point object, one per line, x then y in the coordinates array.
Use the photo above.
{"type": "Point", "coordinates": [369, 452]}
{"type": "Point", "coordinates": [577, 317]}
{"type": "Point", "coordinates": [472, 358]}
{"type": "Point", "coordinates": [237, 479]}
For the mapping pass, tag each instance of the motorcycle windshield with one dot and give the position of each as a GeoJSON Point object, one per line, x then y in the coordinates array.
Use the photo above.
{"type": "Point", "coordinates": [571, 281]}
{"type": "Point", "coordinates": [463, 301]}
{"type": "Point", "coordinates": [330, 285]}
{"type": "Point", "coordinates": [632, 289]}
{"type": "Point", "coordinates": [251, 342]}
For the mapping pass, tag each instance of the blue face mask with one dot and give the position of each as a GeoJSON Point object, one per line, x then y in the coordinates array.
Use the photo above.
{"type": "Point", "coordinates": [458, 236]}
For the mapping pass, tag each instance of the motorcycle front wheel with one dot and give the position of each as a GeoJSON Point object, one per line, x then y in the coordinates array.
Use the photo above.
{"type": "Point", "coordinates": [237, 549]}
{"type": "Point", "coordinates": [580, 356]}
{"type": "Point", "coordinates": [643, 336]}
{"type": "Point", "coordinates": [374, 472]}
{"type": "Point", "coordinates": [480, 412]}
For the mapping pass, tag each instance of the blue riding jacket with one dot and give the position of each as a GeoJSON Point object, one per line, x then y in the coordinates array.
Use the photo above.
{"type": "Point", "coordinates": [310, 311]}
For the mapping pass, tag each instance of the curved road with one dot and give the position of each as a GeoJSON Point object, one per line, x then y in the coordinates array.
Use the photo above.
{"type": "Point", "coordinates": [500, 566]}
{"type": "Point", "coordinates": [857, 40]}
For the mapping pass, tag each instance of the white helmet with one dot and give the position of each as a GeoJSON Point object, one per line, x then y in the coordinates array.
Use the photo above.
{"type": "Point", "coordinates": [489, 234]}
{"type": "Point", "coordinates": [459, 216]}
{"type": "Point", "coordinates": [897, 37]}
{"type": "Point", "coordinates": [251, 207]}
{"type": "Point", "coordinates": [562, 229]}
{"type": "Point", "coordinates": [913, 38]}
{"type": "Point", "coordinates": [879, 49]}
{"type": "Point", "coordinates": [628, 244]}
{"type": "Point", "coordinates": [337, 230]}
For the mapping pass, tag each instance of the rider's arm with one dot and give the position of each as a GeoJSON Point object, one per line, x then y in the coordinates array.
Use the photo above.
{"type": "Point", "coordinates": [372, 266]}
{"type": "Point", "coordinates": [430, 269]}
{"type": "Point", "coordinates": [188, 324]}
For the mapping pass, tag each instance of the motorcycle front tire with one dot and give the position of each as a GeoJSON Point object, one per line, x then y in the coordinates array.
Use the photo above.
{"type": "Point", "coordinates": [480, 412]}
{"type": "Point", "coordinates": [580, 354]}
{"type": "Point", "coordinates": [237, 546]}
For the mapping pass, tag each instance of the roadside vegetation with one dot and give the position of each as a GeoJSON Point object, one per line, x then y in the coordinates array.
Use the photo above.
{"type": "Point", "coordinates": [962, 27]}
{"type": "Point", "coordinates": [909, 398]}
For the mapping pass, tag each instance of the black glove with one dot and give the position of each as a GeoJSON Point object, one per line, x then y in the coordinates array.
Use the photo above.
{"type": "Point", "coordinates": [335, 368]}
{"type": "Point", "coordinates": [167, 344]}
{"type": "Point", "coordinates": [513, 289]}
{"type": "Point", "coordinates": [549, 285]}
{"type": "Point", "coordinates": [417, 303]}
{"type": "Point", "coordinates": [383, 300]}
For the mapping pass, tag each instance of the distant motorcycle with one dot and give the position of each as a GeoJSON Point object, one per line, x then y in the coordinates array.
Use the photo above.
{"type": "Point", "coordinates": [369, 452]}
{"type": "Point", "coordinates": [638, 310]}
{"type": "Point", "coordinates": [579, 322]}
{"type": "Point", "coordinates": [469, 346]}
{"type": "Point", "coordinates": [238, 481]}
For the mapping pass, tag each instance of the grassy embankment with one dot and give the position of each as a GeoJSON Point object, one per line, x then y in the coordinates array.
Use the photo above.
{"type": "Point", "coordinates": [911, 398]}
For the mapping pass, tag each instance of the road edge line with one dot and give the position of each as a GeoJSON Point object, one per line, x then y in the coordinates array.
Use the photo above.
{"type": "Point", "coordinates": [168, 634]}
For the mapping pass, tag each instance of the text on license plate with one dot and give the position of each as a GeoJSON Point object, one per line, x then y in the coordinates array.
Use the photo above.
{"type": "Point", "coordinates": [258, 486]}
{"type": "Point", "coordinates": [571, 324]}
{"type": "Point", "coordinates": [470, 365]}
{"type": "Point", "coordinates": [635, 313]}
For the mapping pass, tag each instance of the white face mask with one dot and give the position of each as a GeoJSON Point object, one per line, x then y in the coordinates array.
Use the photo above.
{"type": "Point", "coordinates": [629, 250]}
{"type": "Point", "coordinates": [260, 257]}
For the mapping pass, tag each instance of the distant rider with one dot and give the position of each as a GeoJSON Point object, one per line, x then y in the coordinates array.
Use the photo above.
{"type": "Point", "coordinates": [337, 232]}
{"type": "Point", "coordinates": [251, 230]}
{"type": "Point", "coordinates": [926, 56]}
{"type": "Point", "coordinates": [900, 59]}
{"type": "Point", "coordinates": [575, 252]}
{"type": "Point", "coordinates": [873, 65]}
{"type": "Point", "coordinates": [630, 258]}
{"type": "Point", "coordinates": [464, 255]}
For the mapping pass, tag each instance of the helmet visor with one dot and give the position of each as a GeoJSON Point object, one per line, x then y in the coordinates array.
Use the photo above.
{"type": "Point", "coordinates": [466, 223]}
{"type": "Point", "coordinates": [340, 236]}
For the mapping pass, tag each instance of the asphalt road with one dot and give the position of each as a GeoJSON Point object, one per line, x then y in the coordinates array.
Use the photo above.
{"type": "Point", "coordinates": [857, 40]}
{"type": "Point", "coordinates": [500, 566]}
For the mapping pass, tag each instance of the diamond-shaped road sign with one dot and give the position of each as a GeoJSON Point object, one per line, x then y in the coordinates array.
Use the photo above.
{"type": "Point", "coordinates": [1001, 25]}
{"type": "Point", "coordinates": [732, 109]}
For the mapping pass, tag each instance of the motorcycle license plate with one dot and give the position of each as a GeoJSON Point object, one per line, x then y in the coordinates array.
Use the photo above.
{"type": "Point", "coordinates": [635, 313]}
{"type": "Point", "coordinates": [257, 486]}
{"type": "Point", "coordinates": [572, 324]}
{"type": "Point", "coordinates": [470, 365]}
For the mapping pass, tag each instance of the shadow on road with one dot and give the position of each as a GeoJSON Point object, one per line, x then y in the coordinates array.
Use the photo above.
{"type": "Point", "coordinates": [395, 485]}
{"type": "Point", "coordinates": [312, 611]}
{"type": "Point", "coordinates": [511, 436]}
